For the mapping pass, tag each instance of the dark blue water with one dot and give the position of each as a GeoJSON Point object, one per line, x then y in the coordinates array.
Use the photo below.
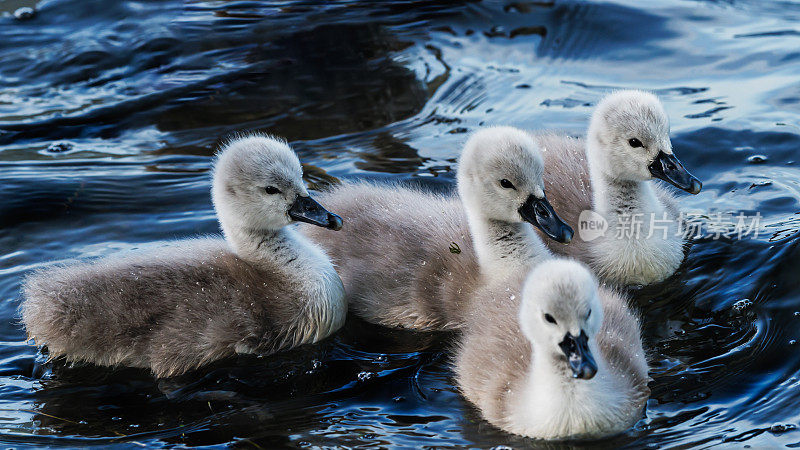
{"type": "Point", "coordinates": [110, 112]}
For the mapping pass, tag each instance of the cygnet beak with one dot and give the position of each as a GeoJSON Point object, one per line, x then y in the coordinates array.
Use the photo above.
{"type": "Point", "coordinates": [579, 356]}
{"type": "Point", "coordinates": [306, 209]}
{"type": "Point", "coordinates": [668, 168]}
{"type": "Point", "coordinates": [539, 213]}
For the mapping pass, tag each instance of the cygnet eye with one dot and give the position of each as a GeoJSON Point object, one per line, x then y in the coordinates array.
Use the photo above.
{"type": "Point", "coordinates": [589, 314]}
{"type": "Point", "coordinates": [507, 184]}
{"type": "Point", "coordinates": [635, 143]}
{"type": "Point", "coordinates": [549, 318]}
{"type": "Point", "coordinates": [271, 190]}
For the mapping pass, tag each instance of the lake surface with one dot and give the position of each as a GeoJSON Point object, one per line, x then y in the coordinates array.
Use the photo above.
{"type": "Point", "coordinates": [111, 111]}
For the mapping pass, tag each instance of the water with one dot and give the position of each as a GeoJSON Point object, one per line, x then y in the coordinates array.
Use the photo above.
{"type": "Point", "coordinates": [110, 112]}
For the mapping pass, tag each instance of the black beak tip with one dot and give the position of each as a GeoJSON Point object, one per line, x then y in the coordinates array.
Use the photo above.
{"type": "Point", "coordinates": [334, 222]}
{"type": "Point", "coordinates": [585, 371]}
{"type": "Point", "coordinates": [579, 356]}
{"type": "Point", "coordinates": [588, 373]}
{"type": "Point", "coordinates": [567, 235]}
{"type": "Point", "coordinates": [695, 187]}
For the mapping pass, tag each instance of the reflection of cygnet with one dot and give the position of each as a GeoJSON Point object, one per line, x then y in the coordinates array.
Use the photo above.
{"type": "Point", "coordinates": [564, 361]}
{"type": "Point", "coordinates": [411, 259]}
{"type": "Point", "coordinates": [191, 302]}
{"type": "Point", "coordinates": [628, 145]}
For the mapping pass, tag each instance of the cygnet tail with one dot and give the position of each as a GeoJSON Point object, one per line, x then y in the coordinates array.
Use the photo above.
{"type": "Point", "coordinates": [44, 311]}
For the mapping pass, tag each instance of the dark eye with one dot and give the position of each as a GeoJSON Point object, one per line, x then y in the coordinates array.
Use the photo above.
{"type": "Point", "coordinates": [272, 190]}
{"type": "Point", "coordinates": [549, 318]}
{"type": "Point", "coordinates": [635, 143]}
{"type": "Point", "coordinates": [507, 184]}
{"type": "Point", "coordinates": [589, 314]}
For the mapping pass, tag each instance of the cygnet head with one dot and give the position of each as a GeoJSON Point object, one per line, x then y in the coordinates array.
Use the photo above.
{"type": "Point", "coordinates": [500, 174]}
{"type": "Point", "coordinates": [258, 186]}
{"type": "Point", "coordinates": [629, 141]}
{"type": "Point", "coordinates": [561, 313]}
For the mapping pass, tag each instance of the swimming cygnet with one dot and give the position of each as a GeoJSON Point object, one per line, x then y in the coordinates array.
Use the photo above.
{"type": "Point", "coordinates": [563, 362]}
{"type": "Point", "coordinates": [187, 303]}
{"type": "Point", "coordinates": [411, 258]}
{"type": "Point", "coordinates": [628, 145]}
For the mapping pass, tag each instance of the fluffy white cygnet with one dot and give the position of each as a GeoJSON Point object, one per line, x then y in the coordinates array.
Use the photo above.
{"type": "Point", "coordinates": [180, 305]}
{"type": "Point", "coordinates": [560, 359]}
{"type": "Point", "coordinates": [608, 178]}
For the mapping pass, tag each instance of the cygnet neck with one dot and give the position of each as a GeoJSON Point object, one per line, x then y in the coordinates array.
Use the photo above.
{"type": "Point", "coordinates": [612, 197]}
{"type": "Point", "coordinates": [303, 263]}
{"type": "Point", "coordinates": [503, 247]}
{"type": "Point", "coordinates": [279, 247]}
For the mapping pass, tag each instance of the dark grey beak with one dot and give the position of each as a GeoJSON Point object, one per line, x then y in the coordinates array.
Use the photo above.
{"type": "Point", "coordinates": [579, 356]}
{"type": "Point", "coordinates": [539, 213]}
{"type": "Point", "coordinates": [668, 168]}
{"type": "Point", "coordinates": [306, 209]}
